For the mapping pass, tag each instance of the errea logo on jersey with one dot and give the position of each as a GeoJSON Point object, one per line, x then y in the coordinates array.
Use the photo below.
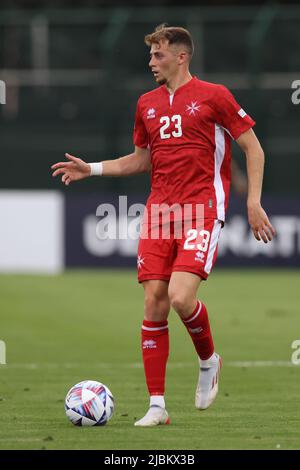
{"type": "Point", "coordinates": [151, 113]}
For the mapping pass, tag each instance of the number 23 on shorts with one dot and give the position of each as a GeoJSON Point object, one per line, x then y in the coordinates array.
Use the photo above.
{"type": "Point", "coordinates": [197, 240]}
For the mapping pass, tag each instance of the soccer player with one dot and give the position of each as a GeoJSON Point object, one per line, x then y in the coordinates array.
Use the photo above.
{"type": "Point", "coordinates": [182, 134]}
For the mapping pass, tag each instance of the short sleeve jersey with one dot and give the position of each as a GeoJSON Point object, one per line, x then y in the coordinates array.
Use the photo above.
{"type": "Point", "coordinates": [189, 135]}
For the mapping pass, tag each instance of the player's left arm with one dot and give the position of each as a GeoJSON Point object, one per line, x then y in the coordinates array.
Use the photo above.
{"type": "Point", "coordinates": [258, 219]}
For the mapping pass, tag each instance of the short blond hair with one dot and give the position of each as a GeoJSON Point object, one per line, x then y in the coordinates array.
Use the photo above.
{"type": "Point", "coordinates": [172, 34]}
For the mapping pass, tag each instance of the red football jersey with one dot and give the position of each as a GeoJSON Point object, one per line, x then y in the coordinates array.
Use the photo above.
{"type": "Point", "coordinates": [189, 135]}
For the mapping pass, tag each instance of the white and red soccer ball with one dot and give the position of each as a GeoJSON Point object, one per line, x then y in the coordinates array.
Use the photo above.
{"type": "Point", "coordinates": [89, 403]}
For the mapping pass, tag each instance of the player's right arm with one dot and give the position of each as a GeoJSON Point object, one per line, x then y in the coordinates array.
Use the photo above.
{"type": "Point", "coordinates": [76, 169]}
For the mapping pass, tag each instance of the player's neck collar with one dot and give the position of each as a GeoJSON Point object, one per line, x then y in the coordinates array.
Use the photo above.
{"type": "Point", "coordinates": [186, 84]}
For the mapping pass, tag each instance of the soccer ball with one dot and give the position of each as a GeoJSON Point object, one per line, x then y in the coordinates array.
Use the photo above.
{"type": "Point", "coordinates": [89, 403]}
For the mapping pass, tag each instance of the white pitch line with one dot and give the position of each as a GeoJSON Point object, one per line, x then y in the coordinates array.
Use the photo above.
{"type": "Point", "coordinates": [139, 365]}
{"type": "Point", "coordinates": [260, 364]}
{"type": "Point", "coordinates": [17, 439]}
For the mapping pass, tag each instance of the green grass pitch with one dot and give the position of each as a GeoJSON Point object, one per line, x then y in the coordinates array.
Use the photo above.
{"type": "Point", "coordinates": [81, 325]}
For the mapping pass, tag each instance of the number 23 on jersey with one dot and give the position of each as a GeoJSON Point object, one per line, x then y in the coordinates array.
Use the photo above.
{"type": "Point", "coordinates": [165, 128]}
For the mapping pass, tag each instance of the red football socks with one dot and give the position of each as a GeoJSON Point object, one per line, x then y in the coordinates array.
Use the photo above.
{"type": "Point", "coordinates": [198, 327]}
{"type": "Point", "coordinates": [155, 349]}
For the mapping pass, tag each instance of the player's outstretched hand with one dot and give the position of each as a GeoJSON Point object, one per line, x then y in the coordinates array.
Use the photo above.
{"type": "Point", "coordinates": [73, 170]}
{"type": "Point", "coordinates": [259, 223]}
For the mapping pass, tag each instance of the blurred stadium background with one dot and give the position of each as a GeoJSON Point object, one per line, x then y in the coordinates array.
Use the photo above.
{"type": "Point", "coordinates": [73, 74]}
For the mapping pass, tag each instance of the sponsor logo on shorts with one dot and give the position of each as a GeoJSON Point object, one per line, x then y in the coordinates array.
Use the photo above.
{"type": "Point", "coordinates": [200, 256]}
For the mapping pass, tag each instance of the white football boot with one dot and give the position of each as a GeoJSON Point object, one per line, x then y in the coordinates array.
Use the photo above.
{"type": "Point", "coordinates": [208, 382]}
{"type": "Point", "coordinates": [154, 416]}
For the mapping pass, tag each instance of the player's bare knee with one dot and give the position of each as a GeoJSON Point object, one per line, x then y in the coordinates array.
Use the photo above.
{"type": "Point", "coordinates": [181, 303]}
{"type": "Point", "coordinates": [156, 308]}
{"type": "Point", "coordinates": [177, 301]}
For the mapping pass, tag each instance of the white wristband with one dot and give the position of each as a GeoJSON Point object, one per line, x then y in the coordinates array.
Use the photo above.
{"type": "Point", "coordinates": [96, 169]}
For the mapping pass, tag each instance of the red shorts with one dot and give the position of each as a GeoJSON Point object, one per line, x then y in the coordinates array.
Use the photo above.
{"type": "Point", "coordinates": [194, 252]}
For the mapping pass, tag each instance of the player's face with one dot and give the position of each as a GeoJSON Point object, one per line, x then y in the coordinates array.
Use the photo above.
{"type": "Point", "coordinates": [163, 62]}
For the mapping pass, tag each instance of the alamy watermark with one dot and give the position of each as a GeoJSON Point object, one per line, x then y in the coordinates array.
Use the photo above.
{"type": "Point", "coordinates": [295, 359]}
{"type": "Point", "coordinates": [2, 353]}
{"type": "Point", "coordinates": [154, 221]}
{"type": "Point", "coordinates": [296, 94]}
{"type": "Point", "coordinates": [2, 92]}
